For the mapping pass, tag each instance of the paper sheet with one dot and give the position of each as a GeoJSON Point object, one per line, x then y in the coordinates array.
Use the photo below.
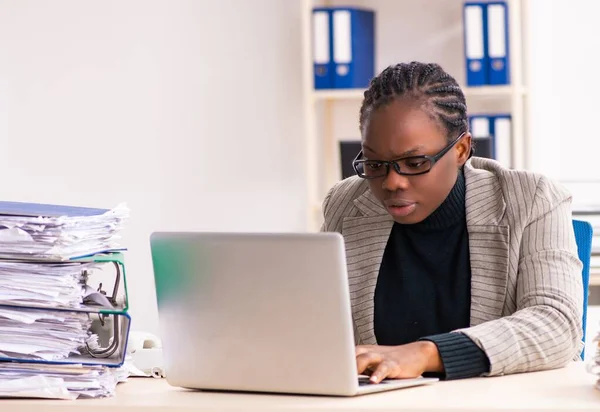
{"type": "Point", "coordinates": [57, 381]}
{"type": "Point", "coordinates": [61, 238]}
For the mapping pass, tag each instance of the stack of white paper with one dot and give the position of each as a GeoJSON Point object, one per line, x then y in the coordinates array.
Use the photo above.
{"type": "Point", "coordinates": [51, 285]}
{"type": "Point", "coordinates": [38, 334]}
{"type": "Point", "coordinates": [56, 381]}
{"type": "Point", "coordinates": [60, 237]}
{"type": "Point", "coordinates": [41, 343]}
{"type": "Point", "coordinates": [60, 285]}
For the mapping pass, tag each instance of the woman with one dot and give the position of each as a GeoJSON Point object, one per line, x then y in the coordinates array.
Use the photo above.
{"type": "Point", "coordinates": [458, 267]}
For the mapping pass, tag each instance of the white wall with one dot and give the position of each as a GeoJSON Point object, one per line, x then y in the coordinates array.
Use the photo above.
{"type": "Point", "coordinates": [565, 139]}
{"type": "Point", "coordinates": [565, 57]}
{"type": "Point", "coordinates": [190, 111]}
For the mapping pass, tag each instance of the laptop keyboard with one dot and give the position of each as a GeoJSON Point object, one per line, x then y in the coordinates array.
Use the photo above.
{"type": "Point", "coordinates": [364, 381]}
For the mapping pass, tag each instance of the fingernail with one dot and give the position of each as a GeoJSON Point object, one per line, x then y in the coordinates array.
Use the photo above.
{"type": "Point", "coordinates": [373, 379]}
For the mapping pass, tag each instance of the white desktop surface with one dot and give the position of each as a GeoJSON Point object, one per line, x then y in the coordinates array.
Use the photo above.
{"type": "Point", "coordinates": [570, 388]}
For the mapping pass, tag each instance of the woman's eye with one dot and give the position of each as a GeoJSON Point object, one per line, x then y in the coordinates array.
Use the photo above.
{"type": "Point", "coordinates": [374, 165]}
{"type": "Point", "coordinates": [415, 164]}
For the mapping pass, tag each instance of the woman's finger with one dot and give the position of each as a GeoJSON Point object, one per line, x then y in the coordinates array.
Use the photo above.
{"type": "Point", "coordinates": [382, 371]}
{"type": "Point", "coordinates": [369, 360]}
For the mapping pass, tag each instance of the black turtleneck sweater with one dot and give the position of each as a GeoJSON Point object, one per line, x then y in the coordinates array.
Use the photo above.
{"type": "Point", "coordinates": [423, 289]}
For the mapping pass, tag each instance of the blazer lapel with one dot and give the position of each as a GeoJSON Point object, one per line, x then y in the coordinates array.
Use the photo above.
{"type": "Point", "coordinates": [365, 237]}
{"type": "Point", "coordinates": [488, 244]}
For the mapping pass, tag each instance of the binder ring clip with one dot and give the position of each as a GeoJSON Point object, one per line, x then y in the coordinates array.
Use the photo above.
{"type": "Point", "coordinates": [114, 345]}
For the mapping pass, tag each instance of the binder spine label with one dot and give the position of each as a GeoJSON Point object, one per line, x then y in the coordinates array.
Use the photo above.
{"type": "Point", "coordinates": [321, 42]}
{"type": "Point", "coordinates": [321, 37]}
{"type": "Point", "coordinates": [497, 25]}
{"type": "Point", "coordinates": [342, 41]}
{"type": "Point", "coordinates": [480, 127]}
{"type": "Point", "coordinates": [498, 43]}
{"type": "Point", "coordinates": [502, 136]}
{"type": "Point", "coordinates": [474, 38]}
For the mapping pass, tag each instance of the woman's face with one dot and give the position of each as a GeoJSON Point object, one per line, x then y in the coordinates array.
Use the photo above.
{"type": "Point", "coordinates": [401, 129]}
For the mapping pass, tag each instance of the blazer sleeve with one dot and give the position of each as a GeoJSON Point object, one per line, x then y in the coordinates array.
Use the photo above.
{"type": "Point", "coordinates": [546, 330]}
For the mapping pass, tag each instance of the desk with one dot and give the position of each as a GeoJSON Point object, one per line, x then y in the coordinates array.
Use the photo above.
{"type": "Point", "coordinates": [570, 388]}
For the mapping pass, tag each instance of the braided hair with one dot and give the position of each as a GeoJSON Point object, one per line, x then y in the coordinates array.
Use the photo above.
{"type": "Point", "coordinates": [426, 83]}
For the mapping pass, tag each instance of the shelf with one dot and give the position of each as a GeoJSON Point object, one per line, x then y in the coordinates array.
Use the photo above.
{"type": "Point", "coordinates": [330, 114]}
{"type": "Point", "coordinates": [338, 94]}
{"type": "Point", "coordinates": [595, 277]}
{"type": "Point", "coordinates": [493, 91]}
{"type": "Point", "coordinates": [357, 94]}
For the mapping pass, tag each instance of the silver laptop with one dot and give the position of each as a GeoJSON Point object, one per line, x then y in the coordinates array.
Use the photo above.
{"type": "Point", "coordinates": [258, 313]}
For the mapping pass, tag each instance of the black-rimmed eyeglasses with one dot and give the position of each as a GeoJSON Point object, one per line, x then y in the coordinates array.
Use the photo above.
{"type": "Point", "coordinates": [408, 166]}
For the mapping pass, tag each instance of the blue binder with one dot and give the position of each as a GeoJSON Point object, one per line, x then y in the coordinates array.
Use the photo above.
{"type": "Point", "coordinates": [353, 35]}
{"type": "Point", "coordinates": [46, 210]}
{"type": "Point", "coordinates": [501, 131]}
{"type": "Point", "coordinates": [322, 45]}
{"type": "Point", "coordinates": [498, 42]}
{"type": "Point", "coordinates": [34, 210]}
{"type": "Point", "coordinates": [475, 43]}
{"type": "Point", "coordinates": [115, 325]}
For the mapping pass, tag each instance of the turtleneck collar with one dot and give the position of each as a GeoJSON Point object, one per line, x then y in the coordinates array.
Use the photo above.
{"type": "Point", "coordinates": [451, 211]}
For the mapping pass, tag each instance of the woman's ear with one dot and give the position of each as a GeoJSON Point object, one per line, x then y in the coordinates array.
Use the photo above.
{"type": "Point", "coordinates": [465, 149]}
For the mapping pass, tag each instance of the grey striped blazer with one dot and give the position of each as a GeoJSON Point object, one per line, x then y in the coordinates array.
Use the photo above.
{"type": "Point", "coordinates": [526, 286]}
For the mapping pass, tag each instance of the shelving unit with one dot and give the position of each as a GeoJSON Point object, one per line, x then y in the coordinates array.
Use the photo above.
{"type": "Point", "coordinates": [319, 105]}
{"type": "Point", "coordinates": [357, 94]}
{"type": "Point", "coordinates": [595, 277]}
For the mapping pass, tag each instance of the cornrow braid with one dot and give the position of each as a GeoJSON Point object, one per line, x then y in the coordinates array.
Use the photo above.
{"type": "Point", "coordinates": [428, 83]}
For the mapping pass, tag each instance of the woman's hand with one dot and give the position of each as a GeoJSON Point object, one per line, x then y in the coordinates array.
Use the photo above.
{"type": "Point", "coordinates": [404, 361]}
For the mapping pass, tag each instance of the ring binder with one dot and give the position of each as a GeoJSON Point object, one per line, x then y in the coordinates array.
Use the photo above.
{"type": "Point", "coordinates": [343, 40]}
{"type": "Point", "coordinates": [114, 345]}
{"type": "Point", "coordinates": [118, 296]}
{"type": "Point", "coordinates": [63, 295]}
{"type": "Point", "coordinates": [116, 323]}
{"type": "Point", "coordinates": [498, 43]}
{"type": "Point", "coordinates": [104, 275]}
{"type": "Point", "coordinates": [475, 43]}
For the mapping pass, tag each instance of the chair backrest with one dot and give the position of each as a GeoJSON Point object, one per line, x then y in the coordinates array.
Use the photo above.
{"type": "Point", "coordinates": [583, 236]}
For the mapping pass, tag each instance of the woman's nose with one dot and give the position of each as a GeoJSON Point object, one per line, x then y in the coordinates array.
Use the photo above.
{"type": "Point", "coordinates": [395, 181]}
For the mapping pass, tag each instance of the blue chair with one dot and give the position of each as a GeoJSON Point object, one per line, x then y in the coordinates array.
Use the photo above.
{"type": "Point", "coordinates": [583, 236]}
